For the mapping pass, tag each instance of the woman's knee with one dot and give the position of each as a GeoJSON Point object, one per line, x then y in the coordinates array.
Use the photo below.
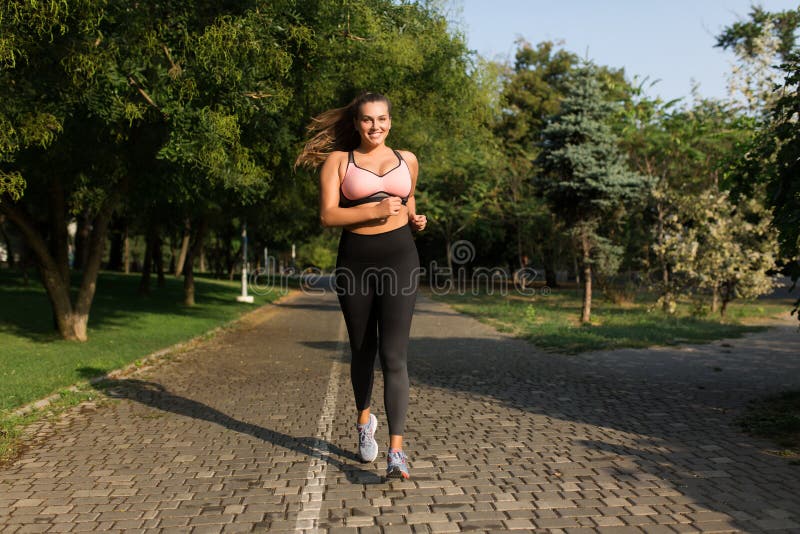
{"type": "Point", "coordinates": [394, 360]}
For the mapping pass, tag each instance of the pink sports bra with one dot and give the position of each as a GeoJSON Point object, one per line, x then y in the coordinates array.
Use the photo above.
{"type": "Point", "coordinates": [360, 186]}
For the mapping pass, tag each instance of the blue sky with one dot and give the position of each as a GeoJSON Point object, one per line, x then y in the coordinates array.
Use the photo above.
{"type": "Point", "coordinates": [670, 40]}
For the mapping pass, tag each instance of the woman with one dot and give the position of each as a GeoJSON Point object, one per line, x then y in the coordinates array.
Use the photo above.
{"type": "Point", "coordinates": [368, 189]}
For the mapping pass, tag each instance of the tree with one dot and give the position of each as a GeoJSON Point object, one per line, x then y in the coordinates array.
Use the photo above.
{"type": "Point", "coordinates": [773, 163]}
{"type": "Point", "coordinates": [532, 92]}
{"type": "Point", "coordinates": [408, 52]}
{"type": "Point", "coordinates": [650, 138]}
{"type": "Point", "coordinates": [747, 34]}
{"type": "Point", "coordinates": [770, 163]}
{"type": "Point", "coordinates": [585, 176]}
{"type": "Point", "coordinates": [166, 100]}
{"type": "Point", "coordinates": [45, 49]}
{"type": "Point", "coordinates": [723, 249]}
{"type": "Point", "coordinates": [688, 150]}
{"type": "Point", "coordinates": [759, 44]}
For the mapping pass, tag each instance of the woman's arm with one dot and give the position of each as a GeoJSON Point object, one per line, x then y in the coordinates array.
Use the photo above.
{"type": "Point", "coordinates": [330, 214]}
{"type": "Point", "coordinates": [417, 222]}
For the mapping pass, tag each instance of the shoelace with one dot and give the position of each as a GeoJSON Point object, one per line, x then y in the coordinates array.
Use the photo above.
{"type": "Point", "coordinates": [398, 457]}
{"type": "Point", "coordinates": [363, 433]}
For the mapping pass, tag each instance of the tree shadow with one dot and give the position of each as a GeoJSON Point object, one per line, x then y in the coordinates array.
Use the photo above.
{"type": "Point", "coordinates": [666, 420]}
{"type": "Point", "coordinates": [26, 311]}
{"type": "Point", "coordinates": [155, 395]}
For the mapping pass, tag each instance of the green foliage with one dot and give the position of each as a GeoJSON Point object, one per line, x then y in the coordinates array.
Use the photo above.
{"type": "Point", "coordinates": [319, 251]}
{"type": "Point", "coordinates": [724, 249]}
{"type": "Point", "coordinates": [584, 173]}
{"type": "Point", "coordinates": [175, 111]}
{"type": "Point", "coordinates": [11, 184]}
{"type": "Point", "coordinates": [771, 165]}
{"type": "Point", "coordinates": [746, 33]}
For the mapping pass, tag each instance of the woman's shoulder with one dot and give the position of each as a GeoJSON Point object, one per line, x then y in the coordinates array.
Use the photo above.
{"type": "Point", "coordinates": [337, 154]}
{"type": "Point", "coordinates": [408, 156]}
{"type": "Point", "coordinates": [336, 157]}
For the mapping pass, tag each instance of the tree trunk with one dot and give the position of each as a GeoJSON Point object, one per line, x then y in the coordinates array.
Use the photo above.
{"type": "Point", "coordinates": [7, 239]}
{"type": "Point", "coordinates": [81, 241]}
{"type": "Point", "coordinates": [715, 299]}
{"type": "Point", "coordinates": [144, 282]}
{"type": "Point", "coordinates": [550, 279]}
{"type": "Point", "coordinates": [158, 259]}
{"type": "Point", "coordinates": [71, 321]}
{"type": "Point", "coordinates": [97, 242]}
{"type": "Point", "coordinates": [188, 271]}
{"type": "Point", "coordinates": [229, 257]}
{"type": "Point", "coordinates": [727, 295]}
{"type": "Point", "coordinates": [202, 267]}
{"type": "Point", "coordinates": [116, 254]}
{"type": "Point", "coordinates": [59, 242]}
{"type": "Point", "coordinates": [586, 311]}
{"type": "Point", "coordinates": [217, 257]}
{"type": "Point", "coordinates": [126, 256]}
{"type": "Point", "coordinates": [25, 261]}
{"type": "Point", "coordinates": [666, 293]}
{"type": "Point", "coordinates": [449, 257]}
{"type": "Point", "coordinates": [172, 260]}
{"type": "Point", "coordinates": [187, 235]}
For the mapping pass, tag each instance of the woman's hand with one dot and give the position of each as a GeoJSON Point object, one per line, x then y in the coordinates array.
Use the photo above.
{"type": "Point", "coordinates": [418, 222]}
{"type": "Point", "coordinates": [388, 206]}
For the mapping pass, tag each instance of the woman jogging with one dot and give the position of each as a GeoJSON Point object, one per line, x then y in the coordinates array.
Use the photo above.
{"type": "Point", "coordinates": [368, 189]}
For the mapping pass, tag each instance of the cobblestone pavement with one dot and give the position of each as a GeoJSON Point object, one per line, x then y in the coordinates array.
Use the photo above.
{"type": "Point", "coordinates": [254, 430]}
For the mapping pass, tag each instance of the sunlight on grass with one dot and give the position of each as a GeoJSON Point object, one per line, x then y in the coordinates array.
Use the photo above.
{"type": "Point", "coordinates": [123, 327]}
{"type": "Point", "coordinates": [551, 322]}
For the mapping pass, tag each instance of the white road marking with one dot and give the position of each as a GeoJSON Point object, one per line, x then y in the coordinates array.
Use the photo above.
{"type": "Point", "coordinates": [311, 497]}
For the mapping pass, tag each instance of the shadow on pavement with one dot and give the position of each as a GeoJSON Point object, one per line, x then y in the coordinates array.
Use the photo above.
{"type": "Point", "coordinates": [157, 396]}
{"type": "Point", "coordinates": [652, 421]}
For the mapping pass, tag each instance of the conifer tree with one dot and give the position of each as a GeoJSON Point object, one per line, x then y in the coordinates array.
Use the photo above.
{"type": "Point", "coordinates": [585, 177]}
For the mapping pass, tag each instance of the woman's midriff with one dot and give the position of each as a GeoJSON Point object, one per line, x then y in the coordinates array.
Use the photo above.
{"type": "Point", "coordinates": [392, 222]}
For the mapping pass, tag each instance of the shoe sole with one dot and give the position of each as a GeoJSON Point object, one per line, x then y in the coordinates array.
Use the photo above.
{"type": "Point", "coordinates": [396, 473]}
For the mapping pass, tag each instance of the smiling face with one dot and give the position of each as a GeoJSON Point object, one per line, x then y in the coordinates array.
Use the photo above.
{"type": "Point", "coordinates": [373, 123]}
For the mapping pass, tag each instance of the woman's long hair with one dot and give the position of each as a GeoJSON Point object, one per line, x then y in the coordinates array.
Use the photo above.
{"type": "Point", "coordinates": [335, 130]}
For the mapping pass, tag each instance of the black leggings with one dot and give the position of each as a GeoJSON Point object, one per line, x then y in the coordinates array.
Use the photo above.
{"type": "Point", "coordinates": [376, 281]}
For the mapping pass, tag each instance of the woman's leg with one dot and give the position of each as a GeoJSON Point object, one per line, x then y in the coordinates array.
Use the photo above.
{"type": "Point", "coordinates": [361, 318]}
{"type": "Point", "coordinates": [396, 307]}
{"type": "Point", "coordinates": [394, 329]}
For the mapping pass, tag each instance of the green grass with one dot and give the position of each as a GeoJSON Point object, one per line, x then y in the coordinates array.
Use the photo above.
{"type": "Point", "coordinates": [776, 418]}
{"type": "Point", "coordinates": [551, 321]}
{"type": "Point", "coordinates": [123, 327]}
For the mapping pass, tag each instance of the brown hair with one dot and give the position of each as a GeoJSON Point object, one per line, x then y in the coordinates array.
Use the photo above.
{"type": "Point", "coordinates": [335, 130]}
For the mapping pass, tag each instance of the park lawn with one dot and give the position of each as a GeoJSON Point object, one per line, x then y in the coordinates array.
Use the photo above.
{"type": "Point", "coordinates": [123, 327]}
{"type": "Point", "coordinates": [551, 322]}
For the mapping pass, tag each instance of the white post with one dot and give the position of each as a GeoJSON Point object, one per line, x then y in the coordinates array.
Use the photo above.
{"type": "Point", "coordinates": [244, 297]}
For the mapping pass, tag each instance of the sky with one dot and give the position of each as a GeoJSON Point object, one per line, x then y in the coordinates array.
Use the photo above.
{"type": "Point", "coordinates": [667, 40]}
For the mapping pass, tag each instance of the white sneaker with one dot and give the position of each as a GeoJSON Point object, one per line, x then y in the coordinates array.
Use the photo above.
{"type": "Point", "coordinates": [367, 446]}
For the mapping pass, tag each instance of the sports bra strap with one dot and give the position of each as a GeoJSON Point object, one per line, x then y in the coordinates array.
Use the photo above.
{"type": "Point", "coordinates": [351, 158]}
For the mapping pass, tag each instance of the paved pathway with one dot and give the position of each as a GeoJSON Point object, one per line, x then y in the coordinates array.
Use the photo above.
{"type": "Point", "coordinates": [254, 430]}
